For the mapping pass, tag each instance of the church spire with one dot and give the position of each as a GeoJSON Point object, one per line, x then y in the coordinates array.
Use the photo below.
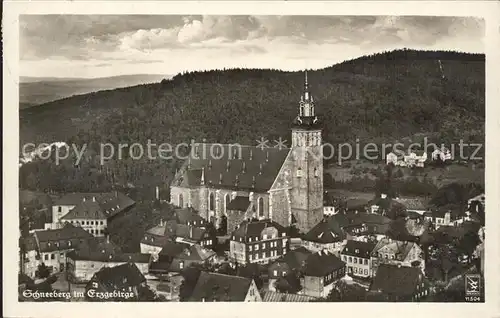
{"type": "Point", "coordinates": [306, 104]}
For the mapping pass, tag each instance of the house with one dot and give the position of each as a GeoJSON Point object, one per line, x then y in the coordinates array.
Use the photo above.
{"type": "Point", "coordinates": [293, 261]}
{"type": "Point", "coordinates": [478, 199]}
{"type": "Point", "coordinates": [156, 237]}
{"type": "Point", "coordinates": [118, 283]}
{"type": "Point", "coordinates": [176, 256]}
{"type": "Point", "coordinates": [379, 203]}
{"type": "Point", "coordinates": [277, 183]}
{"type": "Point", "coordinates": [168, 287]}
{"type": "Point", "coordinates": [91, 211]}
{"type": "Point", "coordinates": [393, 252]}
{"type": "Point", "coordinates": [258, 241]}
{"type": "Point", "coordinates": [400, 283]}
{"type": "Point", "coordinates": [96, 254]}
{"type": "Point", "coordinates": [50, 247]}
{"type": "Point", "coordinates": [219, 287]}
{"type": "Point", "coordinates": [442, 154]}
{"type": "Point", "coordinates": [413, 205]}
{"type": "Point", "coordinates": [357, 256]}
{"type": "Point", "coordinates": [190, 217]}
{"type": "Point", "coordinates": [446, 217]}
{"type": "Point", "coordinates": [361, 226]}
{"type": "Point", "coordinates": [273, 296]}
{"type": "Point", "coordinates": [393, 158]}
{"type": "Point", "coordinates": [30, 257]}
{"type": "Point", "coordinates": [326, 235]}
{"type": "Point", "coordinates": [415, 158]}
{"type": "Point", "coordinates": [321, 271]}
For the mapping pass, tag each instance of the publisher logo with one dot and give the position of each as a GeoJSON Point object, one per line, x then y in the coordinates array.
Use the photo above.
{"type": "Point", "coordinates": [472, 285]}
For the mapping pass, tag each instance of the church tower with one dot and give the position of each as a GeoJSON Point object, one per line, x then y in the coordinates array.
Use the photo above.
{"type": "Point", "coordinates": [307, 173]}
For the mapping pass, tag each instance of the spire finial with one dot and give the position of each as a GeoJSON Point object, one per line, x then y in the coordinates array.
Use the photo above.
{"type": "Point", "coordinates": [306, 79]}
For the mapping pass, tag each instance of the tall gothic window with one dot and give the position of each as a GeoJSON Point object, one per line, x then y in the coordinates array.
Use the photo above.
{"type": "Point", "coordinates": [226, 202]}
{"type": "Point", "coordinates": [181, 200]}
{"type": "Point", "coordinates": [261, 207]}
{"type": "Point", "coordinates": [211, 202]}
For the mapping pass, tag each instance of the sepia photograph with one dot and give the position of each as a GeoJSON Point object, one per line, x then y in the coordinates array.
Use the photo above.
{"type": "Point", "coordinates": [250, 158]}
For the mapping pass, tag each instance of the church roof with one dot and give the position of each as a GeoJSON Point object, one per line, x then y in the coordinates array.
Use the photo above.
{"type": "Point", "coordinates": [231, 166]}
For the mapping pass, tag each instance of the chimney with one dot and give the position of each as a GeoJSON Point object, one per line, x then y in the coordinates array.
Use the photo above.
{"type": "Point", "coordinates": [244, 168]}
{"type": "Point", "coordinates": [107, 238]}
{"type": "Point", "coordinates": [93, 199]}
{"type": "Point", "coordinates": [251, 154]}
{"type": "Point", "coordinates": [190, 231]}
{"type": "Point", "coordinates": [220, 178]}
{"type": "Point", "coordinates": [157, 193]}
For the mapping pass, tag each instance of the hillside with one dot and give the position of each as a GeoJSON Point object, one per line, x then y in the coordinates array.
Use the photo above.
{"type": "Point", "coordinates": [380, 98]}
{"type": "Point", "coordinates": [38, 90]}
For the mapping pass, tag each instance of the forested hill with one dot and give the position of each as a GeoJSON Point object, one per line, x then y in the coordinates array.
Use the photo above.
{"type": "Point", "coordinates": [377, 98]}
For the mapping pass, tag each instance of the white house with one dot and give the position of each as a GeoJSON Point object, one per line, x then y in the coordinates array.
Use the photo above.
{"type": "Point", "coordinates": [443, 154]}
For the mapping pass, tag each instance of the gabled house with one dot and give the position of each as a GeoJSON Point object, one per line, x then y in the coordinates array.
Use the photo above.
{"type": "Point", "coordinates": [118, 283]}
{"type": "Point", "coordinates": [363, 225]}
{"type": "Point", "coordinates": [446, 217]}
{"type": "Point", "coordinates": [176, 256]}
{"type": "Point", "coordinates": [415, 205]}
{"type": "Point", "coordinates": [91, 211]}
{"type": "Point", "coordinates": [400, 283]}
{"type": "Point", "coordinates": [321, 271]}
{"type": "Point", "coordinates": [98, 253]}
{"type": "Point", "coordinates": [393, 252]}
{"type": "Point", "coordinates": [293, 261]}
{"type": "Point", "coordinates": [326, 235]}
{"type": "Point", "coordinates": [357, 256]}
{"type": "Point", "coordinates": [258, 241]}
{"type": "Point", "coordinates": [217, 287]}
{"type": "Point", "coordinates": [50, 247]}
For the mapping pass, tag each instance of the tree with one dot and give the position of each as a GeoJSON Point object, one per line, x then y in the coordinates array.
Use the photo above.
{"type": "Point", "coordinates": [468, 243]}
{"type": "Point", "coordinates": [343, 291]}
{"type": "Point", "coordinates": [190, 276]}
{"type": "Point", "coordinates": [289, 284]}
{"type": "Point", "coordinates": [43, 271]}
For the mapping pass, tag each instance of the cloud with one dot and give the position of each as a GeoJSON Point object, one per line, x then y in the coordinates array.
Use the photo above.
{"type": "Point", "coordinates": [169, 44]}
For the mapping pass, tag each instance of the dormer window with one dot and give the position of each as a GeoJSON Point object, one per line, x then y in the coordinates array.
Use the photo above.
{"type": "Point", "coordinates": [316, 172]}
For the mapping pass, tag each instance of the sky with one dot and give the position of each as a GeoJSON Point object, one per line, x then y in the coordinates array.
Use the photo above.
{"type": "Point", "coordinates": [89, 46]}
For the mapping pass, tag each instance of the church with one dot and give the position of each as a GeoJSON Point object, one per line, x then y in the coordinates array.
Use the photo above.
{"type": "Point", "coordinates": [239, 182]}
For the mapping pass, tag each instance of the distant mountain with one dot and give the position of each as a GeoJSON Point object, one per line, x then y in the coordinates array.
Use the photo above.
{"type": "Point", "coordinates": [38, 90]}
{"type": "Point", "coordinates": [382, 98]}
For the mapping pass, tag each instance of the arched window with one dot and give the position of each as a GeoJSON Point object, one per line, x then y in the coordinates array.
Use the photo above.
{"type": "Point", "coordinates": [211, 202]}
{"type": "Point", "coordinates": [261, 207]}
{"type": "Point", "coordinates": [181, 200]}
{"type": "Point", "coordinates": [226, 202]}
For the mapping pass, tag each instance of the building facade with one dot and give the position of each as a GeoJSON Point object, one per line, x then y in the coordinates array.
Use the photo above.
{"type": "Point", "coordinates": [281, 184]}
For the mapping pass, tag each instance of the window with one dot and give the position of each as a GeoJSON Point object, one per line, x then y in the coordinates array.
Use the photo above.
{"type": "Point", "coordinates": [52, 256]}
{"type": "Point", "coordinates": [211, 202]}
{"type": "Point", "coordinates": [94, 285]}
{"type": "Point", "coordinates": [283, 234]}
{"type": "Point", "coordinates": [284, 273]}
{"type": "Point", "coordinates": [299, 173]}
{"type": "Point", "coordinates": [366, 272]}
{"type": "Point", "coordinates": [59, 209]}
{"type": "Point", "coordinates": [386, 256]}
{"type": "Point", "coordinates": [265, 236]}
{"type": "Point", "coordinates": [366, 262]}
{"type": "Point", "coordinates": [226, 201]}
{"type": "Point", "coordinates": [91, 222]}
{"type": "Point", "coordinates": [250, 248]}
{"type": "Point", "coordinates": [256, 247]}
{"type": "Point", "coordinates": [263, 245]}
{"type": "Point", "coordinates": [181, 265]}
{"type": "Point", "coordinates": [355, 260]}
{"type": "Point", "coordinates": [284, 242]}
{"type": "Point", "coordinates": [284, 251]}
{"type": "Point", "coordinates": [263, 255]}
{"type": "Point", "coordinates": [275, 273]}
{"type": "Point", "coordinates": [250, 257]}
{"type": "Point", "coordinates": [46, 256]}
{"type": "Point", "coordinates": [250, 239]}
{"type": "Point", "coordinates": [355, 270]}
{"type": "Point", "coordinates": [261, 207]}
{"type": "Point", "coordinates": [350, 259]}
{"type": "Point", "coordinates": [344, 258]}
{"type": "Point", "coordinates": [181, 200]}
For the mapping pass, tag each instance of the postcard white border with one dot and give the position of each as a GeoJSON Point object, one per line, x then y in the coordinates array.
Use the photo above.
{"type": "Point", "coordinates": [489, 10]}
